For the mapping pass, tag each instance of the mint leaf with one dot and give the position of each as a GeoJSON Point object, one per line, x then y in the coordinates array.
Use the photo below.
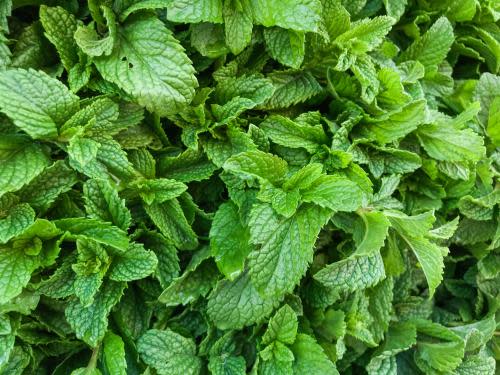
{"type": "Point", "coordinates": [90, 323]}
{"type": "Point", "coordinates": [286, 246]}
{"type": "Point", "coordinates": [16, 267]}
{"type": "Point", "coordinates": [20, 163]}
{"type": "Point", "coordinates": [15, 220]}
{"type": "Point", "coordinates": [114, 354]}
{"type": "Point", "coordinates": [136, 263]}
{"type": "Point", "coordinates": [60, 26]}
{"type": "Point", "coordinates": [236, 304]}
{"type": "Point", "coordinates": [167, 351]}
{"type": "Point", "coordinates": [229, 240]}
{"type": "Point", "coordinates": [103, 203]}
{"type": "Point", "coordinates": [167, 73]}
{"type": "Point", "coordinates": [37, 103]}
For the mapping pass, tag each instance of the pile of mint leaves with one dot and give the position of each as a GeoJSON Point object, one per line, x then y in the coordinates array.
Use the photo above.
{"type": "Point", "coordinates": [263, 187]}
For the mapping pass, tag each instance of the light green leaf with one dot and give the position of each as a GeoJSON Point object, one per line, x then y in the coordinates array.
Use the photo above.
{"type": "Point", "coordinates": [395, 125]}
{"type": "Point", "coordinates": [114, 354]}
{"type": "Point", "coordinates": [310, 357]}
{"type": "Point", "coordinates": [132, 6]}
{"type": "Point", "coordinates": [282, 327]}
{"type": "Point", "coordinates": [291, 88]}
{"type": "Point", "coordinates": [236, 304]}
{"type": "Point", "coordinates": [238, 25]}
{"type": "Point", "coordinates": [103, 203]}
{"type": "Point", "coordinates": [134, 264]}
{"type": "Point", "coordinates": [195, 11]}
{"type": "Point", "coordinates": [286, 246]}
{"type": "Point", "coordinates": [89, 41]}
{"type": "Point", "coordinates": [366, 34]}
{"type": "Point", "coordinates": [352, 273]}
{"type": "Point", "coordinates": [450, 144]}
{"type": "Point", "coordinates": [194, 283]}
{"type": "Point", "coordinates": [432, 48]}
{"type": "Point", "coordinates": [191, 165]}
{"type": "Point", "coordinates": [412, 230]}
{"type": "Point", "coordinates": [158, 190]}
{"type": "Point", "coordinates": [493, 127]}
{"type": "Point", "coordinates": [60, 26]}
{"type": "Point", "coordinates": [93, 229]}
{"type": "Point", "coordinates": [171, 221]}
{"type": "Point", "coordinates": [20, 163]}
{"type": "Point", "coordinates": [229, 240]}
{"type": "Point", "coordinates": [15, 220]}
{"type": "Point", "coordinates": [257, 164]}
{"type": "Point", "coordinates": [160, 79]}
{"type": "Point", "coordinates": [168, 352]}
{"type": "Point", "coordinates": [90, 323]}
{"type": "Point", "coordinates": [334, 192]}
{"type": "Point", "coordinates": [43, 190]}
{"type": "Point", "coordinates": [235, 95]}
{"type": "Point", "coordinates": [285, 46]}
{"type": "Point", "coordinates": [36, 102]}
{"type": "Point", "coordinates": [289, 133]}
{"type": "Point", "coordinates": [439, 348]}
{"type": "Point", "coordinates": [15, 272]}
{"type": "Point", "coordinates": [300, 15]}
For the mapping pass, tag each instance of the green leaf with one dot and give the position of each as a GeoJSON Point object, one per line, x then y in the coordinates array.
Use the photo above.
{"type": "Point", "coordinates": [285, 46]}
{"type": "Point", "coordinates": [334, 192]}
{"type": "Point", "coordinates": [90, 323]}
{"type": "Point", "coordinates": [238, 25]}
{"type": "Point", "coordinates": [300, 15]}
{"type": "Point", "coordinates": [257, 164]}
{"type": "Point", "coordinates": [171, 221]}
{"type": "Point", "coordinates": [400, 337]}
{"type": "Point", "coordinates": [493, 128]}
{"type": "Point", "coordinates": [168, 352]}
{"type": "Point", "coordinates": [432, 47]}
{"type": "Point", "coordinates": [191, 165]}
{"type": "Point", "coordinates": [20, 163]}
{"type": "Point", "coordinates": [236, 304]}
{"type": "Point", "coordinates": [128, 7]}
{"type": "Point", "coordinates": [352, 273]}
{"type": "Point", "coordinates": [282, 327]}
{"type": "Point", "coordinates": [290, 88]}
{"type": "Point", "coordinates": [166, 253]}
{"type": "Point", "coordinates": [289, 133]}
{"type": "Point", "coordinates": [163, 83]}
{"type": "Point", "coordinates": [395, 125]}
{"type": "Point", "coordinates": [447, 143]}
{"type": "Point", "coordinates": [229, 240]}
{"type": "Point", "coordinates": [103, 203]}
{"type": "Point", "coordinates": [286, 246]}
{"type": "Point", "coordinates": [60, 26]}
{"type": "Point", "coordinates": [195, 11]}
{"type": "Point", "coordinates": [439, 348]}
{"type": "Point", "coordinates": [366, 33]}
{"type": "Point", "coordinates": [310, 357]}
{"type": "Point", "coordinates": [93, 229]}
{"type": "Point", "coordinates": [44, 189]}
{"type": "Point", "coordinates": [134, 264]}
{"type": "Point", "coordinates": [191, 285]}
{"type": "Point", "coordinates": [88, 40]}
{"type": "Point", "coordinates": [15, 270]}
{"type": "Point", "coordinates": [114, 354]}
{"type": "Point", "coordinates": [15, 220]}
{"type": "Point", "coordinates": [218, 151]}
{"type": "Point", "coordinates": [158, 190]}
{"type": "Point", "coordinates": [235, 95]}
{"type": "Point", "coordinates": [412, 230]}
{"type": "Point", "coordinates": [37, 103]}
